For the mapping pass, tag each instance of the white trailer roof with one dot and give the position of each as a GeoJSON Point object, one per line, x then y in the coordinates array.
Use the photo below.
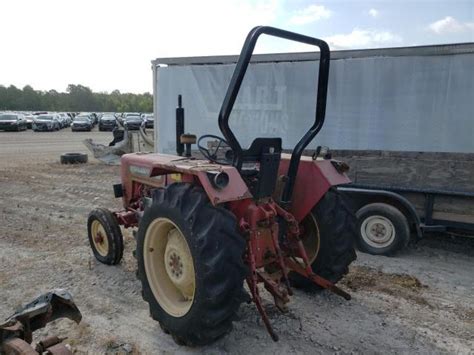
{"type": "Point", "coordinates": [442, 49]}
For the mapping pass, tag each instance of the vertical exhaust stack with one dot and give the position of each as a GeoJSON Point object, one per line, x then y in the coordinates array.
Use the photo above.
{"type": "Point", "coordinates": [179, 126]}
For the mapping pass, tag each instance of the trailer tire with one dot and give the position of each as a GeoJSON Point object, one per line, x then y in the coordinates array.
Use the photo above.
{"type": "Point", "coordinates": [109, 248]}
{"type": "Point", "coordinates": [336, 234]}
{"type": "Point", "coordinates": [195, 298]}
{"type": "Point", "coordinates": [382, 229]}
{"type": "Point", "coordinates": [73, 158]}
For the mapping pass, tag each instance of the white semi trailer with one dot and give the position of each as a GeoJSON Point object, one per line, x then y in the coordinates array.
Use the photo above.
{"type": "Point", "coordinates": [402, 117]}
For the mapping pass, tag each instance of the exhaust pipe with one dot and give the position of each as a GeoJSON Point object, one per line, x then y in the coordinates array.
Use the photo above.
{"type": "Point", "coordinates": [179, 126]}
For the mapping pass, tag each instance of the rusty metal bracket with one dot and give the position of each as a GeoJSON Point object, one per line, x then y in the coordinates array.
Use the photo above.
{"type": "Point", "coordinates": [16, 334]}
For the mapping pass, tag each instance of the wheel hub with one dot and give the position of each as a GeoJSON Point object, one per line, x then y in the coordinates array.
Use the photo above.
{"type": "Point", "coordinates": [178, 263]}
{"type": "Point", "coordinates": [175, 265]}
{"type": "Point", "coordinates": [99, 238]}
{"type": "Point", "coordinates": [378, 231]}
{"type": "Point", "coordinates": [169, 267]}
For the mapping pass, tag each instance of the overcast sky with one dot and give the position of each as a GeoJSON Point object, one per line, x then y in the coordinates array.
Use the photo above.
{"type": "Point", "coordinates": [108, 45]}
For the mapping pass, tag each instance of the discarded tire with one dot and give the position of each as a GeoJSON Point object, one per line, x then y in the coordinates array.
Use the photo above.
{"type": "Point", "coordinates": [73, 158]}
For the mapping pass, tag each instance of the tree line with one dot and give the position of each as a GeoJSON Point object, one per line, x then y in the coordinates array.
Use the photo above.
{"type": "Point", "coordinates": [76, 98]}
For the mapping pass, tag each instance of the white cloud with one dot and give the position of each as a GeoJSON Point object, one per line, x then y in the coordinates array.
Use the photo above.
{"type": "Point", "coordinates": [450, 25]}
{"type": "Point", "coordinates": [360, 38]}
{"type": "Point", "coordinates": [310, 14]}
{"type": "Point", "coordinates": [374, 13]}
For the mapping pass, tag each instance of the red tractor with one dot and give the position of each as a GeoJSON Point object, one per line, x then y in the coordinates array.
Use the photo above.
{"type": "Point", "coordinates": [207, 225]}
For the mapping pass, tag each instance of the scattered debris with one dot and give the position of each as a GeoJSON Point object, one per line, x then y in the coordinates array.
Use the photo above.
{"type": "Point", "coordinates": [402, 285]}
{"type": "Point", "coordinates": [124, 142]}
{"type": "Point", "coordinates": [16, 334]}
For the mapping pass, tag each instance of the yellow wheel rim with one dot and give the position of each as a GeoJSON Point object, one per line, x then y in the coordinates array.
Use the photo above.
{"type": "Point", "coordinates": [310, 237]}
{"type": "Point", "coordinates": [169, 267]}
{"type": "Point", "coordinates": [99, 238]}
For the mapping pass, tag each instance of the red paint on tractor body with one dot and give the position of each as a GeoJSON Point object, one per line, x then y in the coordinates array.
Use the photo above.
{"type": "Point", "coordinates": [314, 179]}
{"type": "Point", "coordinates": [268, 258]}
{"type": "Point", "coordinates": [159, 170]}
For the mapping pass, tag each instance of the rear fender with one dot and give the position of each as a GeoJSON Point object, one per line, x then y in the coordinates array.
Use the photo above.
{"type": "Point", "coordinates": [314, 179]}
{"type": "Point", "coordinates": [235, 190]}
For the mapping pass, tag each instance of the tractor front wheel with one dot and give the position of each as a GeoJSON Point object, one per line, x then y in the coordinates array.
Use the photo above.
{"type": "Point", "coordinates": [328, 235]}
{"type": "Point", "coordinates": [190, 264]}
{"type": "Point", "coordinates": [105, 236]}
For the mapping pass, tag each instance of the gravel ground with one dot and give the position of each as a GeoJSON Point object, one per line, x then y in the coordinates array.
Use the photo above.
{"type": "Point", "coordinates": [420, 301]}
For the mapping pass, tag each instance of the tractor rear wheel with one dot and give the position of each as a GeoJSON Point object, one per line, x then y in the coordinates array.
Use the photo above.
{"type": "Point", "coordinates": [329, 234]}
{"type": "Point", "coordinates": [190, 264]}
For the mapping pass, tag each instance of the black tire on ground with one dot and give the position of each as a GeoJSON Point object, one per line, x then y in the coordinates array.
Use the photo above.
{"type": "Point", "coordinates": [73, 158]}
{"type": "Point", "coordinates": [216, 250]}
{"type": "Point", "coordinates": [111, 251]}
{"type": "Point", "coordinates": [337, 234]}
{"type": "Point", "coordinates": [382, 229]}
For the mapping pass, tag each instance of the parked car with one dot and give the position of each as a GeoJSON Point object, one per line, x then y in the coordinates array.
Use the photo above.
{"type": "Point", "coordinates": [92, 117]}
{"type": "Point", "coordinates": [132, 122]}
{"type": "Point", "coordinates": [10, 121]}
{"type": "Point", "coordinates": [29, 120]}
{"type": "Point", "coordinates": [124, 115]}
{"type": "Point", "coordinates": [65, 120]}
{"type": "Point", "coordinates": [81, 123]}
{"type": "Point", "coordinates": [107, 123]}
{"type": "Point", "coordinates": [149, 120]}
{"type": "Point", "coordinates": [46, 122]}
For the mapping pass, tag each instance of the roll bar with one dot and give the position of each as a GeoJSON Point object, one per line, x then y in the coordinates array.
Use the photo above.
{"type": "Point", "coordinates": [236, 82]}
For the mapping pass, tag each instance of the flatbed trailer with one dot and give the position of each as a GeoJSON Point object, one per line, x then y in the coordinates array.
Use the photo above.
{"type": "Point", "coordinates": [437, 195]}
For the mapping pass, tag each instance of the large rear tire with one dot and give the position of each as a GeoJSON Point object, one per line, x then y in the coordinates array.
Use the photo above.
{"type": "Point", "coordinates": [329, 239]}
{"type": "Point", "coordinates": [190, 264]}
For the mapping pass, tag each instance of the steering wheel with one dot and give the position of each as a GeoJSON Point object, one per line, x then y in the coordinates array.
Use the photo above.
{"type": "Point", "coordinates": [211, 154]}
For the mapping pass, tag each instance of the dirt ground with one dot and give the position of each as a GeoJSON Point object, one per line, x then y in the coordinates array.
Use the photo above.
{"type": "Point", "coordinates": [421, 301]}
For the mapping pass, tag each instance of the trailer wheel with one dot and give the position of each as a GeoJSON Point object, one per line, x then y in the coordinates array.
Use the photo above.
{"type": "Point", "coordinates": [190, 264]}
{"type": "Point", "coordinates": [105, 236]}
{"type": "Point", "coordinates": [382, 229]}
{"type": "Point", "coordinates": [329, 234]}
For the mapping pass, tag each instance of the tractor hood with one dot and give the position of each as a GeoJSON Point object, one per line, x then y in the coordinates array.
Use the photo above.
{"type": "Point", "coordinates": [161, 169]}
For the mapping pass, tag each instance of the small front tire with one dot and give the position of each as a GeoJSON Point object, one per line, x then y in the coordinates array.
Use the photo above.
{"type": "Point", "coordinates": [105, 236]}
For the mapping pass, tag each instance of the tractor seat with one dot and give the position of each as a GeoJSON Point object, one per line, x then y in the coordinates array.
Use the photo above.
{"type": "Point", "coordinates": [266, 152]}
{"type": "Point", "coordinates": [260, 146]}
